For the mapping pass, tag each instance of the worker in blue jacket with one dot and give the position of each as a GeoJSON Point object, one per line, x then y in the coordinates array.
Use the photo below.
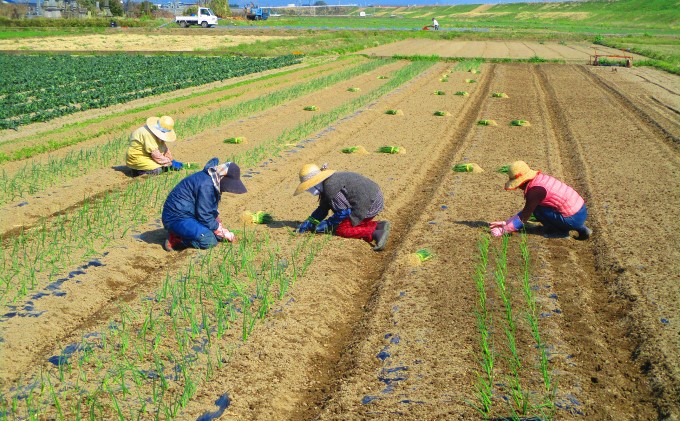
{"type": "Point", "coordinates": [190, 212]}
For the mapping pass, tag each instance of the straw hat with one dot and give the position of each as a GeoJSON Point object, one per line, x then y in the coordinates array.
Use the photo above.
{"type": "Point", "coordinates": [311, 175]}
{"type": "Point", "coordinates": [162, 128]}
{"type": "Point", "coordinates": [519, 173]}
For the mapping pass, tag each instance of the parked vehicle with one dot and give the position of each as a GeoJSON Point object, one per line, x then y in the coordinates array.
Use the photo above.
{"type": "Point", "coordinates": [257, 13]}
{"type": "Point", "coordinates": [204, 17]}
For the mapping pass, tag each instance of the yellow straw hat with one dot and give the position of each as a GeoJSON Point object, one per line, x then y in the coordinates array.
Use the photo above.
{"type": "Point", "coordinates": [163, 128]}
{"type": "Point", "coordinates": [311, 175]}
{"type": "Point", "coordinates": [519, 173]}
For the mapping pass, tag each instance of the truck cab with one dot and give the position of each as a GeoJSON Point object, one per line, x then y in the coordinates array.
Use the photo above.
{"type": "Point", "coordinates": [204, 17]}
{"type": "Point", "coordinates": [254, 12]}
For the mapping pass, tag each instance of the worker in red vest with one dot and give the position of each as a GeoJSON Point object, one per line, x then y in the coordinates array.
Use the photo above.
{"type": "Point", "coordinates": [558, 207]}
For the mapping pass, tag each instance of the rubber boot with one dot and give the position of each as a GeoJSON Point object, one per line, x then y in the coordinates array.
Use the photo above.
{"type": "Point", "coordinates": [381, 235]}
{"type": "Point", "coordinates": [584, 233]}
{"type": "Point", "coordinates": [172, 243]}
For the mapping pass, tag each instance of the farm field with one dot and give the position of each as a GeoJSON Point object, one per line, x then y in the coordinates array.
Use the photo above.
{"type": "Point", "coordinates": [572, 52]}
{"type": "Point", "coordinates": [189, 41]}
{"type": "Point", "coordinates": [97, 321]}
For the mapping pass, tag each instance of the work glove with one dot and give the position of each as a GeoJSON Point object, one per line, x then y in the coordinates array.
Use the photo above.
{"type": "Point", "coordinates": [223, 234]}
{"type": "Point", "coordinates": [176, 165]}
{"type": "Point", "coordinates": [305, 226]}
{"type": "Point", "coordinates": [330, 223]}
{"type": "Point", "coordinates": [499, 228]}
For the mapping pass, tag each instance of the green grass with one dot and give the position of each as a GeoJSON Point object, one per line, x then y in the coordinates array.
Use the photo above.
{"type": "Point", "coordinates": [663, 52]}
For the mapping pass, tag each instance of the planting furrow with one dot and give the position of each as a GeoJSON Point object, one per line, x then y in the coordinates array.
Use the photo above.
{"type": "Point", "coordinates": [636, 268]}
{"type": "Point", "coordinates": [399, 77]}
{"type": "Point", "coordinates": [657, 112]}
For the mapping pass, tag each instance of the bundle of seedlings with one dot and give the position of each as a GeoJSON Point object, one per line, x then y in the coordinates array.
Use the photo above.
{"type": "Point", "coordinates": [471, 167]}
{"type": "Point", "coordinates": [439, 93]}
{"type": "Point", "coordinates": [441, 113]}
{"type": "Point", "coordinates": [470, 81]}
{"type": "Point", "coordinates": [310, 108]}
{"type": "Point", "coordinates": [487, 123]}
{"type": "Point", "coordinates": [504, 169]}
{"type": "Point", "coordinates": [420, 256]}
{"type": "Point", "coordinates": [462, 93]}
{"type": "Point", "coordinates": [235, 140]}
{"type": "Point", "coordinates": [499, 95]}
{"type": "Point", "coordinates": [519, 123]}
{"type": "Point", "coordinates": [382, 77]}
{"type": "Point", "coordinates": [259, 217]}
{"type": "Point", "coordinates": [392, 149]}
{"type": "Point", "coordinates": [394, 112]}
{"type": "Point", "coordinates": [353, 89]}
{"type": "Point", "coordinates": [355, 149]}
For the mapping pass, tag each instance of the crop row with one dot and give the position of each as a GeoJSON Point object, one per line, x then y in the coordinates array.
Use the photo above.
{"type": "Point", "coordinates": [505, 369]}
{"type": "Point", "coordinates": [40, 88]}
{"type": "Point", "coordinates": [34, 177]}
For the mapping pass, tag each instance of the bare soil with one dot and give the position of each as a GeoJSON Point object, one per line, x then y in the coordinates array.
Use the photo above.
{"type": "Point", "coordinates": [571, 52]}
{"type": "Point", "coordinates": [123, 41]}
{"type": "Point", "coordinates": [608, 306]}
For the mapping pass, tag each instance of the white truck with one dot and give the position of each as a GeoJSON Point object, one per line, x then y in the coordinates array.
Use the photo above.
{"type": "Point", "coordinates": [204, 17]}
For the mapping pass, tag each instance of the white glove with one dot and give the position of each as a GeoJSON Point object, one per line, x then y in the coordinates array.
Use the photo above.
{"type": "Point", "coordinates": [224, 234]}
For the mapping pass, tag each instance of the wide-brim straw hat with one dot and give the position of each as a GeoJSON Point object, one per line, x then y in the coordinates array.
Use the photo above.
{"type": "Point", "coordinates": [519, 173]}
{"type": "Point", "coordinates": [311, 175]}
{"type": "Point", "coordinates": [162, 127]}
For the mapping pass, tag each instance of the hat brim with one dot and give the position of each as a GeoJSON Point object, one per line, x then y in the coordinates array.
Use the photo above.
{"type": "Point", "coordinates": [229, 185]}
{"type": "Point", "coordinates": [321, 176]}
{"type": "Point", "coordinates": [516, 182]}
{"type": "Point", "coordinates": [170, 136]}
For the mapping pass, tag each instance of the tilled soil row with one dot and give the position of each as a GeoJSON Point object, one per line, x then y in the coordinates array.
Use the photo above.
{"type": "Point", "coordinates": [656, 112]}
{"type": "Point", "coordinates": [633, 254]}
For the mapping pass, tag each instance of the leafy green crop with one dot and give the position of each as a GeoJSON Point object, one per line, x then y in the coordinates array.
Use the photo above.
{"type": "Point", "coordinates": [42, 87]}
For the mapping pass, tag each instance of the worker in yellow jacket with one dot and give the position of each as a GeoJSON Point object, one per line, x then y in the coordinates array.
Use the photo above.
{"type": "Point", "coordinates": [148, 152]}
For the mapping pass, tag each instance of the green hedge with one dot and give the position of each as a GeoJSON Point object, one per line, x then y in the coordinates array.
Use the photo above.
{"type": "Point", "coordinates": [76, 23]}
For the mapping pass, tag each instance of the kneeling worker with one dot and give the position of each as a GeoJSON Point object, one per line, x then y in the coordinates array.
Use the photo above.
{"type": "Point", "coordinates": [190, 212]}
{"type": "Point", "coordinates": [148, 152]}
{"type": "Point", "coordinates": [354, 199]}
{"type": "Point", "coordinates": [554, 204]}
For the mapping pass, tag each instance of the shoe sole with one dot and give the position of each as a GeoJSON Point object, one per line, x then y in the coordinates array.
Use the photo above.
{"type": "Point", "coordinates": [381, 244]}
{"type": "Point", "coordinates": [167, 246]}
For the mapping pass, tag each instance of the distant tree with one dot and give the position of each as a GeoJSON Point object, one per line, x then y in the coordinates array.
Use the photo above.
{"type": "Point", "coordinates": [320, 3]}
{"type": "Point", "coordinates": [192, 10]}
{"type": "Point", "coordinates": [220, 7]}
{"type": "Point", "coordinates": [116, 7]}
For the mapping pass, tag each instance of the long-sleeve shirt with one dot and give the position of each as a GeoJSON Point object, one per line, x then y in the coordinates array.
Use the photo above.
{"type": "Point", "coordinates": [146, 152]}
{"type": "Point", "coordinates": [534, 196]}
